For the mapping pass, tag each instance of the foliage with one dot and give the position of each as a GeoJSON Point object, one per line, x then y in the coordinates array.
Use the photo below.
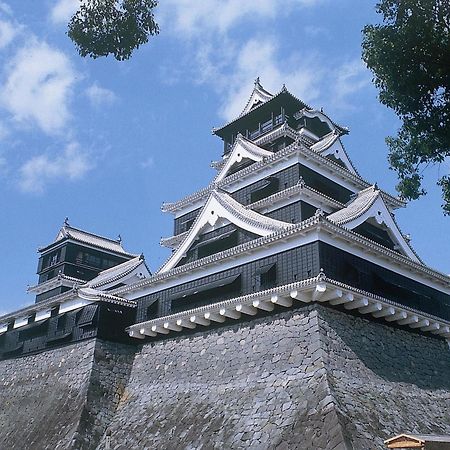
{"type": "Point", "coordinates": [118, 27]}
{"type": "Point", "coordinates": [409, 55]}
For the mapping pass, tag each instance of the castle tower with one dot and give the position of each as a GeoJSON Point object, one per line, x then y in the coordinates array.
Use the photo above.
{"type": "Point", "coordinates": [73, 301]}
{"type": "Point", "coordinates": [75, 256]}
{"type": "Point", "coordinates": [287, 220]}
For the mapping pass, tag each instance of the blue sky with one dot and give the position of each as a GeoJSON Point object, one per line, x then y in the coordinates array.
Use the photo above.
{"type": "Point", "coordinates": [106, 142]}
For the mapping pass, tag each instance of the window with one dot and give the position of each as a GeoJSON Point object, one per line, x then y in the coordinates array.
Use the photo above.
{"type": "Point", "coordinates": [92, 260]}
{"type": "Point", "coordinates": [152, 309]}
{"type": "Point", "coordinates": [217, 244]}
{"type": "Point", "coordinates": [208, 293]}
{"type": "Point", "coordinates": [269, 187]}
{"type": "Point", "coordinates": [186, 224]}
{"type": "Point", "coordinates": [266, 277]}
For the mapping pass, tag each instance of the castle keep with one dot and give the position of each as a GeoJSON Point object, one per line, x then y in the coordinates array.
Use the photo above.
{"type": "Point", "coordinates": [292, 312]}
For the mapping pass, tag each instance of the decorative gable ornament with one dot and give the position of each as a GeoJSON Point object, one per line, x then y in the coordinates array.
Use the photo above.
{"type": "Point", "coordinates": [259, 95]}
{"type": "Point", "coordinates": [331, 145]}
{"type": "Point", "coordinates": [219, 210]}
{"type": "Point", "coordinates": [369, 204]}
{"type": "Point", "coordinates": [242, 149]}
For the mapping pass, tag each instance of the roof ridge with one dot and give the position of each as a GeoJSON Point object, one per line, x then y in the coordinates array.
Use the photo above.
{"type": "Point", "coordinates": [70, 227]}
{"type": "Point", "coordinates": [227, 201]}
{"type": "Point", "coordinates": [281, 91]}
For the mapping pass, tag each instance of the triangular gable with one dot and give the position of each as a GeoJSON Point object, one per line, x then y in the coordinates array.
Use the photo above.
{"type": "Point", "coordinates": [331, 145]}
{"type": "Point", "coordinates": [242, 149]}
{"type": "Point", "coordinates": [259, 95]}
{"type": "Point", "coordinates": [61, 234]}
{"type": "Point", "coordinates": [126, 273]}
{"type": "Point", "coordinates": [316, 114]}
{"type": "Point", "coordinates": [369, 204]}
{"type": "Point", "coordinates": [69, 232]}
{"type": "Point", "coordinates": [219, 209]}
{"type": "Point", "coordinates": [405, 441]}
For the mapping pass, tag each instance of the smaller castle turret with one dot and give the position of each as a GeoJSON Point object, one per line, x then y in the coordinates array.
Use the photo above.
{"type": "Point", "coordinates": [74, 257]}
{"type": "Point", "coordinates": [75, 295]}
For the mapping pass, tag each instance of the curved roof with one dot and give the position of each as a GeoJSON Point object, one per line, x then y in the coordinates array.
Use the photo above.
{"type": "Point", "coordinates": [258, 95]}
{"type": "Point", "coordinates": [221, 205]}
{"type": "Point", "coordinates": [85, 237]}
{"type": "Point", "coordinates": [119, 272]}
{"type": "Point", "coordinates": [370, 203]}
{"type": "Point", "coordinates": [331, 145]}
{"type": "Point", "coordinates": [357, 207]}
{"type": "Point", "coordinates": [242, 149]}
{"type": "Point", "coordinates": [250, 106]}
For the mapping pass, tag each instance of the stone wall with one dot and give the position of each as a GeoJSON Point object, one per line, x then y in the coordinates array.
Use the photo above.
{"type": "Point", "coordinates": [62, 398]}
{"type": "Point", "coordinates": [385, 380]}
{"type": "Point", "coordinates": [313, 378]}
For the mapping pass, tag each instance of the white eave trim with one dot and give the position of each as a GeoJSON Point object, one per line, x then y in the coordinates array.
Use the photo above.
{"type": "Point", "coordinates": [242, 149]}
{"type": "Point", "coordinates": [280, 199]}
{"type": "Point", "coordinates": [53, 283]}
{"type": "Point", "coordinates": [316, 228]}
{"type": "Point", "coordinates": [318, 289]}
{"type": "Point", "coordinates": [222, 206]}
{"type": "Point", "coordinates": [258, 95]}
{"type": "Point", "coordinates": [314, 113]}
{"type": "Point", "coordinates": [331, 145]}
{"type": "Point", "coordinates": [292, 154]}
{"type": "Point", "coordinates": [380, 213]}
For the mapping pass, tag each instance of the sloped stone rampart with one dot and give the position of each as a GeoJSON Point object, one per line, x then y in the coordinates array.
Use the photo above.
{"type": "Point", "coordinates": [246, 386]}
{"type": "Point", "coordinates": [314, 378]}
{"type": "Point", "coordinates": [62, 398]}
{"type": "Point", "coordinates": [311, 378]}
{"type": "Point", "coordinates": [385, 380]}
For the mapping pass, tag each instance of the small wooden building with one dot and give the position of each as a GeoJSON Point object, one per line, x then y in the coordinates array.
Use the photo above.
{"type": "Point", "coordinates": [422, 441]}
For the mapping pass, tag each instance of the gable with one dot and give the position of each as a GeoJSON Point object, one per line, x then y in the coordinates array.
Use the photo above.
{"type": "Point", "coordinates": [243, 150]}
{"type": "Point", "coordinates": [258, 96]}
{"type": "Point", "coordinates": [219, 210]}
{"type": "Point", "coordinates": [331, 146]}
{"type": "Point", "coordinates": [370, 207]}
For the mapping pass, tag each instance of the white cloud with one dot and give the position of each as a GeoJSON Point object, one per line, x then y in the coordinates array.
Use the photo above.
{"type": "Point", "coordinates": [229, 65]}
{"type": "Point", "coordinates": [3, 131]}
{"type": "Point", "coordinates": [218, 16]}
{"type": "Point", "coordinates": [71, 164]}
{"type": "Point", "coordinates": [99, 96]}
{"type": "Point", "coordinates": [38, 86]}
{"type": "Point", "coordinates": [348, 79]}
{"type": "Point", "coordinates": [9, 29]}
{"type": "Point", "coordinates": [7, 33]}
{"type": "Point", "coordinates": [63, 11]}
{"type": "Point", "coordinates": [231, 70]}
{"type": "Point", "coordinates": [5, 9]}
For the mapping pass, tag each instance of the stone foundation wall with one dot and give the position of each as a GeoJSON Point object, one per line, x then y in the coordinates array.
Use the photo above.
{"type": "Point", "coordinates": [385, 380]}
{"type": "Point", "coordinates": [314, 378]}
{"type": "Point", "coordinates": [62, 398]}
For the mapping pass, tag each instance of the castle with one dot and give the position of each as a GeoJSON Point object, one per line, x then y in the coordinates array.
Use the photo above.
{"type": "Point", "coordinates": [292, 313]}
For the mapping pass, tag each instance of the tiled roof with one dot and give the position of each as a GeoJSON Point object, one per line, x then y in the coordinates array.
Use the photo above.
{"type": "Point", "coordinates": [360, 205]}
{"type": "Point", "coordinates": [258, 95]}
{"type": "Point", "coordinates": [118, 272]}
{"type": "Point", "coordinates": [245, 111]}
{"type": "Point", "coordinates": [247, 215]}
{"type": "Point", "coordinates": [327, 141]}
{"type": "Point", "coordinates": [292, 149]}
{"type": "Point", "coordinates": [357, 207]}
{"type": "Point", "coordinates": [222, 205]}
{"type": "Point", "coordinates": [69, 232]}
{"type": "Point", "coordinates": [300, 228]}
{"type": "Point", "coordinates": [242, 149]}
